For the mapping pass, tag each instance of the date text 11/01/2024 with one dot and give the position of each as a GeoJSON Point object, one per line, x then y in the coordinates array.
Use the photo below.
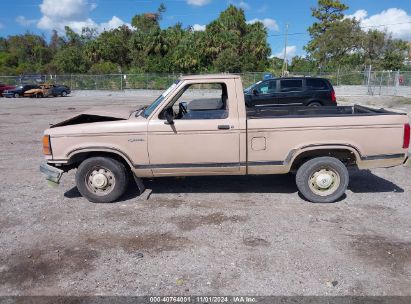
{"type": "Point", "coordinates": [203, 299]}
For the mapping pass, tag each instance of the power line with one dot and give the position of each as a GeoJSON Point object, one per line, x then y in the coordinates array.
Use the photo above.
{"type": "Point", "coordinates": [380, 25]}
{"type": "Point", "coordinates": [369, 26]}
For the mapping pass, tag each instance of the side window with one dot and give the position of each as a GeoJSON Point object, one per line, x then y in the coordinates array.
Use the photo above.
{"type": "Point", "coordinates": [316, 84]}
{"type": "Point", "coordinates": [267, 87]}
{"type": "Point", "coordinates": [291, 85]}
{"type": "Point", "coordinates": [200, 101]}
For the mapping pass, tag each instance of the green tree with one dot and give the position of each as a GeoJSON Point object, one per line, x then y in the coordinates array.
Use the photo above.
{"type": "Point", "coordinates": [381, 51]}
{"type": "Point", "coordinates": [332, 36]}
{"type": "Point", "coordinates": [149, 21]}
{"type": "Point", "coordinates": [327, 13]}
{"type": "Point", "coordinates": [104, 67]}
{"type": "Point", "coordinates": [302, 64]}
{"type": "Point", "coordinates": [71, 59]}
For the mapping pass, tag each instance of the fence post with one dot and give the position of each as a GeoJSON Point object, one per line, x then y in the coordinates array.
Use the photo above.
{"type": "Point", "coordinates": [369, 81]}
{"type": "Point", "coordinates": [397, 82]}
{"type": "Point", "coordinates": [338, 75]}
{"type": "Point", "coordinates": [121, 82]}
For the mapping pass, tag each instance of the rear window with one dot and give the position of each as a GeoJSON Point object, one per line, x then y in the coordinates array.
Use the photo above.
{"type": "Point", "coordinates": [288, 85]}
{"type": "Point", "coordinates": [316, 84]}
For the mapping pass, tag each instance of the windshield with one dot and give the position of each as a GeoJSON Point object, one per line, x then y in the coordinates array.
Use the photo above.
{"type": "Point", "coordinates": [147, 111]}
{"type": "Point", "coordinates": [246, 90]}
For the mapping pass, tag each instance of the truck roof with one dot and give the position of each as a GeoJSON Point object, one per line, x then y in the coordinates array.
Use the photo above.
{"type": "Point", "coordinates": [210, 76]}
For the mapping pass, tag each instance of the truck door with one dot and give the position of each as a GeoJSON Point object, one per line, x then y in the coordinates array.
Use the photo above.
{"type": "Point", "coordinates": [203, 137]}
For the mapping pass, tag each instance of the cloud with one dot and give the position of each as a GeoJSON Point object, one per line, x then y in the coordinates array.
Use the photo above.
{"type": "Point", "coordinates": [291, 52]}
{"type": "Point", "coordinates": [271, 24]}
{"type": "Point", "coordinates": [23, 21]}
{"type": "Point", "coordinates": [394, 20]}
{"type": "Point", "coordinates": [198, 2]}
{"type": "Point", "coordinates": [199, 27]}
{"type": "Point", "coordinates": [242, 4]}
{"type": "Point", "coordinates": [113, 23]}
{"type": "Point", "coordinates": [360, 14]}
{"type": "Point", "coordinates": [73, 13]}
{"type": "Point", "coordinates": [262, 9]}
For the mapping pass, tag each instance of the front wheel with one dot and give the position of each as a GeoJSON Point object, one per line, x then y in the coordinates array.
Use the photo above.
{"type": "Point", "coordinates": [101, 179]}
{"type": "Point", "coordinates": [16, 95]}
{"type": "Point", "coordinates": [63, 94]}
{"type": "Point", "coordinates": [322, 179]}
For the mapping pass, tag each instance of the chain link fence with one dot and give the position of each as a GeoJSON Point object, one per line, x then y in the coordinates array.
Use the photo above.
{"type": "Point", "coordinates": [392, 83]}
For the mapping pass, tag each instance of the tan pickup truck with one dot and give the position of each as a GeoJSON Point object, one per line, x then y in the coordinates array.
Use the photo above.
{"type": "Point", "coordinates": [201, 126]}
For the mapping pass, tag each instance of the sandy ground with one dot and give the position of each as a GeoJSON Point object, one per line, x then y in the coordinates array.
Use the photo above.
{"type": "Point", "coordinates": [193, 236]}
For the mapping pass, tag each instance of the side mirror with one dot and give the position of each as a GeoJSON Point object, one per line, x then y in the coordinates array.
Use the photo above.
{"type": "Point", "coordinates": [169, 118]}
{"type": "Point", "coordinates": [255, 92]}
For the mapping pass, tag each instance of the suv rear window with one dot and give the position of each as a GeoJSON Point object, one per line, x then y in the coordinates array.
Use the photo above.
{"type": "Point", "coordinates": [316, 84]}
{"type": "Point", "coordinates": [288, 85]}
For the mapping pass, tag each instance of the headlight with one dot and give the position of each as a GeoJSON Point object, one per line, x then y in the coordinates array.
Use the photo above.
{"type": "Point", "coordinates": [46, 145]}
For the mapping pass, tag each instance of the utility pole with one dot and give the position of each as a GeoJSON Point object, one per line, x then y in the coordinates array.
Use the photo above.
{"type": "Point", "coordinates": [284, 71]}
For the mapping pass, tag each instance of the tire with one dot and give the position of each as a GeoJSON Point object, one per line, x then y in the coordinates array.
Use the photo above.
{"type": "Point", "coordinates": [322, 179]}
{"type": "Point", "coordinates": [63, 94]}
{"type": "Point", "coordinates": [315, 104]}
{"type": "Point", "coordinates": [110, 179]}
{"type": "Point", "coordinates": [16, 95]}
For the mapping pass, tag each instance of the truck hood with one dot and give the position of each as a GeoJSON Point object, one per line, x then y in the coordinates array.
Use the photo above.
{"type": "Point", "coordinates": [97, 115]}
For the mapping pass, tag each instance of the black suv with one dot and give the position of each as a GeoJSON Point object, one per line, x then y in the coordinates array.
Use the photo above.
{"type": "Point", "coordinates": [301, 91]}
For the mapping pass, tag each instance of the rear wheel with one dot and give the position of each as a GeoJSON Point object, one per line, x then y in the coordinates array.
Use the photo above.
{"type": "Point", "coordinates": [16, 95]}
{"type": "Point", "coordinates": [322, 179]}
{"type": "Point", "coordinates": [63, 94]}
{"type": "Point", "coordinates": [314, 104]}
{"type": "Point", "coordinates": [102, 179]}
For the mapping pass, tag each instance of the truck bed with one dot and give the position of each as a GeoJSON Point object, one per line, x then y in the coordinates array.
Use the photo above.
{"type": "Point", "coordinates": [303, 111]}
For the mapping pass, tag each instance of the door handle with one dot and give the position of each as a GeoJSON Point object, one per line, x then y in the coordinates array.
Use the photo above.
{"type": "Point", "coordinates": [223, 127]}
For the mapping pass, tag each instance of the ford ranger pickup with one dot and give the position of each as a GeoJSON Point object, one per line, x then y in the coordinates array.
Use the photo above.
{"type": "Point", "coordinates": [201, 126]}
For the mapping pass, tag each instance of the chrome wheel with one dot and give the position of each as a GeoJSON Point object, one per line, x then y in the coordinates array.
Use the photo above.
{"type": "Point", "coordinates": [100, 181]}
{"type": "Point", "coordinates": [324, 181]}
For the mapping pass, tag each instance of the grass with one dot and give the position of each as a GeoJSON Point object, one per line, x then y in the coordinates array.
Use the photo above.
{"type": "Point", "coordinates": [404, 100]}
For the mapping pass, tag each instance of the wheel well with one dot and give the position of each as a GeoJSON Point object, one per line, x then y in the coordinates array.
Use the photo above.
{"type": "Point", "coordinates": [346, 156]}
{"type": "Point", "coordinates": [78, 158]}
{"type": "Point", "coordinates": [315, 101]}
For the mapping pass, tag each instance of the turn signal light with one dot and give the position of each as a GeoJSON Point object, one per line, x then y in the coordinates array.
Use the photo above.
{"type": "Point", "coordinates": [406, 142]}
{"type": "Point", "coordinates": [46, 145]}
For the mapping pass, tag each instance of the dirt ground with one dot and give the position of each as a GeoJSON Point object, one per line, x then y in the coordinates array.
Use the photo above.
{"type": "Point", "coordinates": [193, 236]}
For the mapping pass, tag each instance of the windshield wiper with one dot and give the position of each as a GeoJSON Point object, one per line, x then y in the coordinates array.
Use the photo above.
{"type": "Point", "coordinates": [140, 110]}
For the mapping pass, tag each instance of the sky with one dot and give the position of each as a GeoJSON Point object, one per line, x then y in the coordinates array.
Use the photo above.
{"type": "Point", "coordinates": [42, 16]}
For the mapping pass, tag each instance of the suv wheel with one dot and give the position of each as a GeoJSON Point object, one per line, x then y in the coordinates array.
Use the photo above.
{"type": "Point", "coordinates": [314, 104]}
{"type": "Point", "coordinates": [63, 94]}
{"type": "Point", "coordinates": [322, 179]}
{"type": "Point", "coordinates": [101, 179]}
{"type": "Point", "coordinates": [16, 95]}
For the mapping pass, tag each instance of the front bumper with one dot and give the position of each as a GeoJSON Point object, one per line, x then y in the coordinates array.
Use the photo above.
{"type": "Point", "coordinates": [52, 174]}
